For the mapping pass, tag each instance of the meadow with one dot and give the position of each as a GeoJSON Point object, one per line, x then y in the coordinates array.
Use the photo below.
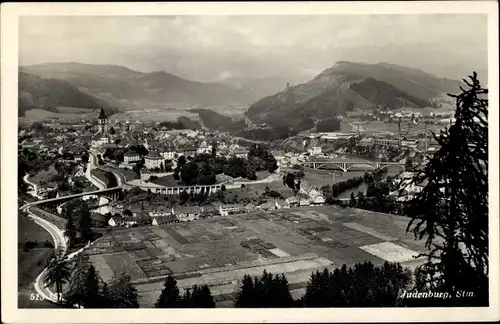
{"type": "Point", "coordinates": [219, 250]}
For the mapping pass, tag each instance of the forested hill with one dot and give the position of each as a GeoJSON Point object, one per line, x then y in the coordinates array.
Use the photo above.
{"type": "Point", "coordinates": [347, 86]}
{"type": "Point", "coordinates": [49, 93]}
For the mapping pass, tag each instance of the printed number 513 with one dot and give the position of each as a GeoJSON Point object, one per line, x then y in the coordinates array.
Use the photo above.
{"type": "Point", "coordinates": [36, 297]}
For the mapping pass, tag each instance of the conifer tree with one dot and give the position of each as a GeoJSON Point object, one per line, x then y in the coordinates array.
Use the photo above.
{"type": "Point", "coordinates": [352, 200]}
{"type": "Point", "coordinates": [123, 293]}
{"type": "Point", "coordinates": [70, 230]}
{"type": "Point", "coordinates": [58, 273]}
{"type": "Point", "coordinates": [92, 296]}
{"type": "Point", "coordinates": [76, 292]}
{"type": "Point", "coordinates": [451, 212]}
{"type": "Point", "coordinates": [169, 297]}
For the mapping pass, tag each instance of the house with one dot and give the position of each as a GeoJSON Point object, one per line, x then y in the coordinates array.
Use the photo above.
{"type": "Point", "coordinates": [204, 148]}
{"type": "Point", "coordinates": [266, 206]}
{"type": "Point", "coordinates": [241, 153]}
{"type": "Point", "coordinates": [131, 157]}
{"type": "Point", "coordinates": [153, 160]}
{"type": "Point", "coordinates": [209, 210]}
{"type": "Point", "coordinates": [307, 189]}
{"type": "Point", "coordinates": [250, 207]}
{"type": "Point", "coordinates": [188, 151]}
{"type": "Point", "coordinates": [156, 221]}
{"type": "Point", "coordinates": [316, 150]}
{"type": "Point", "coordinates": [187, 213]}
{"type": "Point", "coordinates": [169, 152]}
{"type": "Point", "coordinates": [224, 210]}
{"type": "Point", "coordinates": [129, 221]}
{"type": "Point", "coordinates": [317, 201]}
{"type": "Point", "coordinates": [292, 201]}
{"type": "Point", "coordinates": [119, 221]}
{"type": "Point", "coordinates": [304, 202]}
{"type": "Point", "coordinates": [161, 212]}
{"type": "Point", "coordinates": [281, 204]}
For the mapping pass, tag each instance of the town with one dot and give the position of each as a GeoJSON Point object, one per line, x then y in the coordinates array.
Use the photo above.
{"type": "Point", "coordinates": [285, 162]}
{"type": "Point", "coordinates": [127, 174]}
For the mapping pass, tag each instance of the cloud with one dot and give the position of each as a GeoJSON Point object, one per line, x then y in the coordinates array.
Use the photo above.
{"type": "Point", "coordinates": [312, 42]}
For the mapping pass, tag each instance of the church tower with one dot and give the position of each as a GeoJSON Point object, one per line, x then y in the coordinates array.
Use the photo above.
{"type": "Point", "coordinates": [103, 122]}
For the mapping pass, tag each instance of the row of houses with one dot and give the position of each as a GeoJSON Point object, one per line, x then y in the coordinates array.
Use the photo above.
{"type": "Point", "coordinates": [191, 213]}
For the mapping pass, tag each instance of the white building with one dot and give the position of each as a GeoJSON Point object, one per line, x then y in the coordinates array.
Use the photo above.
{"type": "Point", "coordinates": [153, 160]}
{"type": "Point", "coordinates": [131, 157]}
{"type": "Point", "coordinates": [316, 150]}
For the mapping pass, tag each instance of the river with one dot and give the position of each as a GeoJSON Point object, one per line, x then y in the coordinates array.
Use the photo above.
{"type": "Point", "coordinates": [321, 177]}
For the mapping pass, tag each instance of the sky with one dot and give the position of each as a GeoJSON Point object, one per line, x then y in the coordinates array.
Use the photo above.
{"type": "Point", "coordinates": [214, 48]}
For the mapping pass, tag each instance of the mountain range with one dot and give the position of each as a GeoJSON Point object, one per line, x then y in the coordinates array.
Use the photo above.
{"type": "Point", "coordinates": [347, 86]}
{"type": "Point", "coordinates": [126, 89]}
{"type": "Point", "coordinates": [344, 86]}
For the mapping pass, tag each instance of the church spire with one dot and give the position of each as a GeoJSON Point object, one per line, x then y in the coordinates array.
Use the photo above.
{"type": "Point", "coordinates": [102, 115]}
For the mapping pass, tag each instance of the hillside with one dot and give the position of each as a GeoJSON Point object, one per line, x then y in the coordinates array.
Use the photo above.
{"type": "Point", "coordinates": [215, 121]}
{"type": "Point", "coordinates": [48, 94]}
{"type": "Point", "coordinates": [130, 89]}
{"type": "Point", "coordinates": [346, 86]}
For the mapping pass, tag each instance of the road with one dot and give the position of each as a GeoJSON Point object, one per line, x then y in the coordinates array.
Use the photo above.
{"type": "Point", "coordinates": [33, 192]}
{"type": "Point", "coordinates": [59, 244]}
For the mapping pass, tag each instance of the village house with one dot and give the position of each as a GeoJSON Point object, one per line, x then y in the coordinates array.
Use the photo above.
{"type": "Point", "coordinates": [316, 150]}
{"type": "Point", "coordinates": [156, 221]}
{"type": "Point", "coordinates": [187, 213]}
{"type": "Point", "coordinates": [317, 201]}
{"type": "Point", "coordinates": [153, 160]}
{"type": "Point", "coordinates": [304, 202]}
{"type": "Point", "coordinates": [188, 151]}
{"type": "Point", "coordinates": [78, 175]}
{"type": "Point", "coordinates": [225, 210]}
{"type": "Point", "coordinates": [169, 152]}
{"type": "Point", "coordinates": [241, 153]}
{"type": "Point", "coordinates": [131, 157]}
{"type": "Point", "coordinates": [207, 211]}
{"type": "Point", "coordinates": [292, 201]}
{"type": "Point", "coordinates": [308, 190]}
{"type": "Point", "coordinates": [281, 204]}
{"type": "Point", "coordinates": [204, 148]}
{"type": "Point", "coordinates": [250, 207]}
{"type": "Point", "coordinates": [161, 211]}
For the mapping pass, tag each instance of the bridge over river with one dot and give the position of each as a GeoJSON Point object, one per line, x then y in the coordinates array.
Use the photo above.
{"type": "Point", "coordinates": [346, 165]}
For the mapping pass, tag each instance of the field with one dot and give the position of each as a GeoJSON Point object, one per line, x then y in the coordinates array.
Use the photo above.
{"type": "Point", "coordinates": [167, 181]}
{"type": "Point", "coordinates": [129, 174]}
{"type": "Point", "coordinates": [218, 251]}
{"type": "Point", "coordinates": [64, 114]}
{"type": "Point", "coordinates": [252, 193]}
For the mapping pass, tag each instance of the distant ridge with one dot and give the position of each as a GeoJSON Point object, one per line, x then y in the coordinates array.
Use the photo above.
{"type": "Point", "coordinates": [129, 89]}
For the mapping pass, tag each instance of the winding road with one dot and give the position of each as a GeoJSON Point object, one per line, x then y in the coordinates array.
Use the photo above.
{"type": "Point", "coordinates": [60, 243]}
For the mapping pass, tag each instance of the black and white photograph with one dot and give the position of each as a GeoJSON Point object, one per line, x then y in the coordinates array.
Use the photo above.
{"type": "Point", "coordinates": [268, 159]}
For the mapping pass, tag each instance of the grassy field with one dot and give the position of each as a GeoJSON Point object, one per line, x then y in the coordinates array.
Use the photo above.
{"type": "Point", "coordinates": [252, 193]}
{"type": "Point", "coordinates": [29, 231]}
{"type": "Point", "coordinates": [129, 174]}
{"type": "Point", "coordinates": [218, 251]}
{"type": "Point", "coordinates": [100, 174]}
{"type": "Point", "coordinates": [167, 181]}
